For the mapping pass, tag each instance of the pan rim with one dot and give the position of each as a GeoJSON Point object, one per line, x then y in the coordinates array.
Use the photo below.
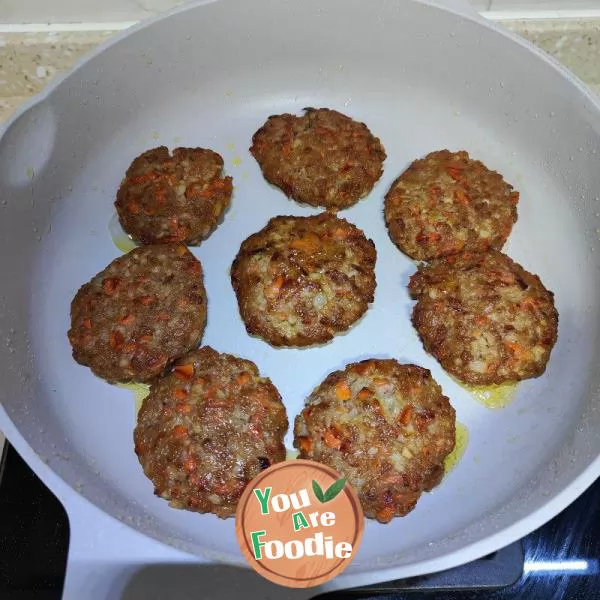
{"type": "Point", "coordinates": [516, 530]}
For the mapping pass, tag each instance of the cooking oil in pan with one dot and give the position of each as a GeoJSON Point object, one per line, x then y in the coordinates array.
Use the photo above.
{"type": "Point", "coordinates": [120, 239]}
{"type": "Point", "coordinates": [493, 396]}
{"type": "Point", "coordinates": [460, 445]}
{"type": "Point", "coordinates": [140, 391]}
{"type": "Point", "coordinates": [291, 454]}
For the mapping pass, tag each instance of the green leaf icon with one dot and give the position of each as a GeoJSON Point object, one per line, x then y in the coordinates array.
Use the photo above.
{"type": "Point", "coordinates": [318, 491]}
{"type": "Point", "coordinates": [332, 491]}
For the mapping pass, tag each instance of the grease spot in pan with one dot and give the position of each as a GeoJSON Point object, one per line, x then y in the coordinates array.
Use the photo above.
{"type": "Point", "coordinates": [120, 239]}
{"type": "Point", "coordinates": [291, 454]}
{"type": "Point", "coordinates": [460, 445]}
{"type": "Point", "coordinates": [139, 390]}
{"type": "Point", "coordinates": [493, 396]}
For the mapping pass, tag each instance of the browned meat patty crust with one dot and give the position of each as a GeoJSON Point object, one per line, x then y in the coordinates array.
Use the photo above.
{"type": "Point", "coordinates": [173, 198]}
{"type": "Point", "coordinates": [323, 158]}
{"type": "Point", "coordinates": [485, 318]}
{"type": "Point", "coordinates": [207, 429]}
{"type": "Point", "coordinates": [447, 203]}
{"type": "Point", "coordinates": [387, 427]}
{"type": "Point", "coordinates": [301, 280]}
{"type": "Point", "coordinates": [146, 309]}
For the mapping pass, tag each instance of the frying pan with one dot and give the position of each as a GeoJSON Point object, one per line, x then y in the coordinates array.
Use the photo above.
{"type": "Point", "coordinates": [423, 76]}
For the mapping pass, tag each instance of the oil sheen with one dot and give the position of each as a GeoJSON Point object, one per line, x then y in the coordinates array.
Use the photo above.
{"type": "Point", "coordinates": [492, 396]}
{"type": "Point", "coordinates": [139, 390]}
{"type": "Point", "coordinates": [120, 239]}
{"type": "Point", "coordinates": [291, 454]}
{"type": "Point", "coordinates": [460, 445]}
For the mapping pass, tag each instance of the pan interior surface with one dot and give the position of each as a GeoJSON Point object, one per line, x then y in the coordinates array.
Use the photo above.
{"type": "Point", "coordinates": [422, 79]}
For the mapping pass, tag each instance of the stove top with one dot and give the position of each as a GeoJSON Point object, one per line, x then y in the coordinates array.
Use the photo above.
{"type": "Point", "coordinates": [558, 561]}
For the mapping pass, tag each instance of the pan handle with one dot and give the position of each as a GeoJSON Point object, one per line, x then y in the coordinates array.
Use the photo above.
{"type": "Point", "coordinates": [110, 561]}
{"type": "Point", "coordinates": [105, 554]}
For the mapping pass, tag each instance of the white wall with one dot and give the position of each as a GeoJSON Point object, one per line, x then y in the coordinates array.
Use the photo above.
{"type": "Point", "coordinates": [75, 11]}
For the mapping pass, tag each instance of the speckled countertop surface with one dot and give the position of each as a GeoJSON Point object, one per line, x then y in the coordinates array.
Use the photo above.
{"type": "Point", "coordinates": [29, 61]}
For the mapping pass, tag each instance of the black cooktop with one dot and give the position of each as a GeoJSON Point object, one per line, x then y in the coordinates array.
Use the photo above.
{"type": "Point", "coordinates": [558, 561]}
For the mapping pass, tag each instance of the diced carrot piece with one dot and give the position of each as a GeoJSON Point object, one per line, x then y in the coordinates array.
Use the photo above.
{"type": "Point", "coordinates": [528, 303]}
{"type": "Point", "coordinates": [310, 243]}
{"type": "Point", "coordinates": [184, 372]}
{"type": "Point", "coordinates": [127, 320]}
{"type": "Point", "coordinates": [190, 465]}
{"type": "Point", "coordinates": [434, 192]}
{"type": "Point", "coordinates": [305, 444]}
{"type": "Point", "coordinates": [365, 394]}
{"type": "Point", "coordinates": [194, 268]}
{"type": "Point", "coordinates": [179, 432]}
{"type": "Point", "coordinates": [406, 414]}
{"type": "Point", "coordinates": [273, 289]}
{"type": "Point", "coordinates": [116, 340]}
{"type": "Point", "coordinates": [110, 285]}
{"type": "Point", "coordinates": [87, 323]}
{"type": "Point", "coordinates": [200, 381]}
{"type": "Point", "coordinates": [454, 172]}
{"type": "Point", "coordinates": [461, 197]}
{"type": "Point", "coordinates": [432, 236]}
{"type": "Point", "coordinates": [517, 349]}
{"type": "Point", "coordinates": [143, 178]}
{"type": "Point", "coordinates": [181, 393]}
{"type": "Point", "coordinates": [243, 378]}
{"type": "Point", "coordinates": [385, 514]}
{"type": "Point", "coordinates": [183, 407]}
{"type": "Point", "coordinates": [147, 300]}
{"type": "Point", "coordinates": [362, 367]}
{"type": "Point", "coordinates": [342, 391]}
{"type": "Point", "coordinates": [210, 393]}
{"type": "Point", "coordinates": [331, 441]}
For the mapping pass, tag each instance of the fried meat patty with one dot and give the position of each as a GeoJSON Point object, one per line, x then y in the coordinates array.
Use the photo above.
{"type": "Point", "coordinates": [387, 427]}
{"type": "Point", "coordinates": [146, 309]}
{"type": "Point", "coordinates": [485, 318]}
{"type": "Point", "coordinates": [173, 198]}
{"type": "Point", "coordinates": [207, 428]}
{"type": "Point", "coordinates": [301, 280]}
{"type": "Point", "coordinates": [322, 158]}
{"type": "Point", "coordinates": [447, 203]}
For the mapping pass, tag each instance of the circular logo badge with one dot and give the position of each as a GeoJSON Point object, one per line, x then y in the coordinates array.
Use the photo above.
{"type": "Point", "coordinates": [299, 523]}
